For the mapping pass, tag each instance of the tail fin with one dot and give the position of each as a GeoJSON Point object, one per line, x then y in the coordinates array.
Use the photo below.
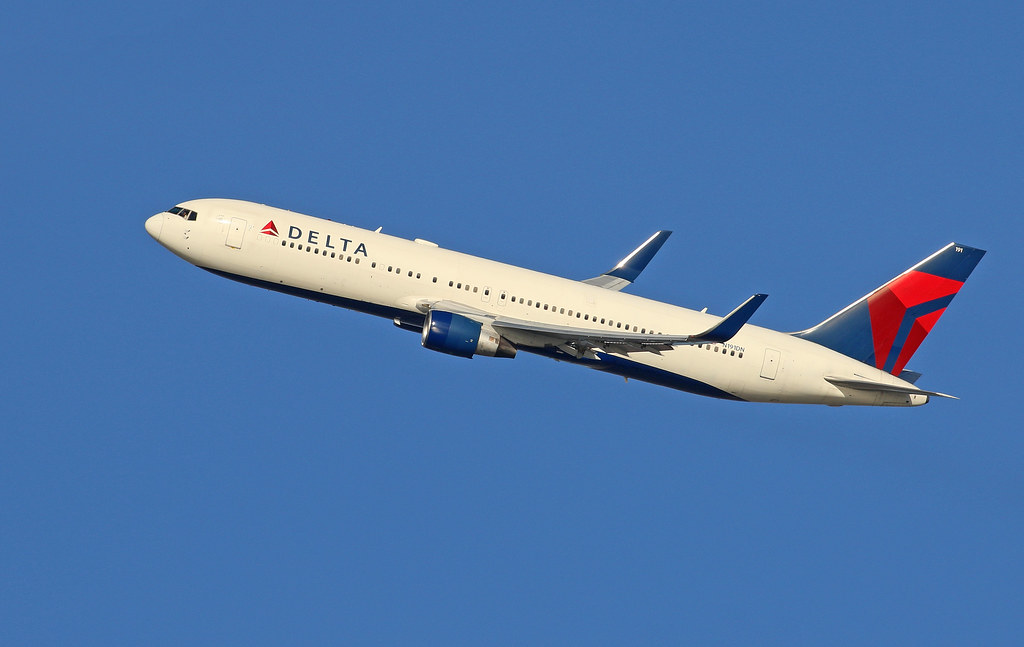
{"type": "Point", "coordinates": [886, 327]}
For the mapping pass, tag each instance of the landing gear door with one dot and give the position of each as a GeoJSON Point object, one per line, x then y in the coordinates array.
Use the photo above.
{"type": "Point", "coordinates": [770, 367]}
{"type": "Point", "coordinates": [236, 231]}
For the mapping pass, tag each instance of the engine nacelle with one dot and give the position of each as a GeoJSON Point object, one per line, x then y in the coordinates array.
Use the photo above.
{"type": "Point", "coordinates": [455, 334]}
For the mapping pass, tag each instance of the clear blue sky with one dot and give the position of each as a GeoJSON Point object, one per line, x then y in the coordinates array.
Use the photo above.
{"type": "Point", "coordinates": [185, 460]}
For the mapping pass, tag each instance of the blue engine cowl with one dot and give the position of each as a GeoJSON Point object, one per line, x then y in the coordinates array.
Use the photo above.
{"type": "Point", "coordinates": [447, 332]}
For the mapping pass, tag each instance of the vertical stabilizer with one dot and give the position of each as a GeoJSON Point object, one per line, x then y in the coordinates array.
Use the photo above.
{"type": "Point", "coordinates": [886, 327]}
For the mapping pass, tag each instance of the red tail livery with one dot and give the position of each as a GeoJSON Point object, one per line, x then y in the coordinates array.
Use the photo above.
{"type": "Point", "coordinates": [886, 327]}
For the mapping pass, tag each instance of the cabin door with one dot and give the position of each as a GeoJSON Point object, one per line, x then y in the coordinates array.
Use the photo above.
{"type": "Point", "coordinates": [771, 363]}
{"type": "Point", "coordinates": [236, 231]}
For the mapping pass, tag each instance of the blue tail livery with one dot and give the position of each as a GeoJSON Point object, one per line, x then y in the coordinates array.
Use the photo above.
{"type": "Point", "coordinates": [886, 327]}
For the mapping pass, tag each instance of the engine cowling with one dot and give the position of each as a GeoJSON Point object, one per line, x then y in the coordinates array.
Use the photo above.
{"type": "Point", "coordinates": [451, 333]}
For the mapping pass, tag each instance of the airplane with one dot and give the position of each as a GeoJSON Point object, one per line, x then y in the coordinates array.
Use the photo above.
{"type": "Point", "coordinates": [468, 306]}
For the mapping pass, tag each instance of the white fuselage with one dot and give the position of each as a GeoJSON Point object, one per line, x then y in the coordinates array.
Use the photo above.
{"type": "Point", "coordinates": [388, 276]}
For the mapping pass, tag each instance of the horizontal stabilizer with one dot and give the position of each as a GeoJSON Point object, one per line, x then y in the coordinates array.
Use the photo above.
{"type": "Point", "coordinates": [869, 385]}
{"type": "Point", "coordinates": [628, 269]}
{"type": "Point", "coordinates": [909, 376]}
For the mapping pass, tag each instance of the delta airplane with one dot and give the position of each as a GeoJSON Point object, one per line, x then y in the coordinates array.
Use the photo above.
{"type": "Point", "coordinates": [465, 306]}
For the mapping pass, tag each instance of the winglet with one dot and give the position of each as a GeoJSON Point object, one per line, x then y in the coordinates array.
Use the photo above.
{"type": "Point", "coordinates": [628, 269]}
{"type": "Point", "coordinates": [731, 323]}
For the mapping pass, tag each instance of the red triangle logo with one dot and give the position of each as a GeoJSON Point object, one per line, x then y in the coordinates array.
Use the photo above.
{"type": "Point", "coordinates": [270, 229]}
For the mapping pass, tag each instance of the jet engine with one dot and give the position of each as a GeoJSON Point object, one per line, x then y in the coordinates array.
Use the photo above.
{"type": "Point", "coordinates": [451, 333]}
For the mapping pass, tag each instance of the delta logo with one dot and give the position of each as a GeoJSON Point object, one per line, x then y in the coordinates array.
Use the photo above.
{"type": "Point", "coordinates": [316, 238]}
{"type": "Point", "coordinates": [903, 312]}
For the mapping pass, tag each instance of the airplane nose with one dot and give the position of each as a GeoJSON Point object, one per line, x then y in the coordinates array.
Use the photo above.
{"type": "Point", "coordinates": [154, 225]}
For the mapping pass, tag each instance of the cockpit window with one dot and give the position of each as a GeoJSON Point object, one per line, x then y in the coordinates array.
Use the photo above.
{"type": "Point", "coordinates": [187, 214]}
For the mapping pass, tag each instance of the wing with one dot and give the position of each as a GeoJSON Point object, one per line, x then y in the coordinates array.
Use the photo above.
{"type": "Point", "coordinates": [581, 341]}
{"type": "Point", "coordinates": [626, 270]}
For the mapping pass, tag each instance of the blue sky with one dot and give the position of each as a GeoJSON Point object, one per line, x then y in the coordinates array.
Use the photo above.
{"type": "Point", "coordinates": [186, 460]}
